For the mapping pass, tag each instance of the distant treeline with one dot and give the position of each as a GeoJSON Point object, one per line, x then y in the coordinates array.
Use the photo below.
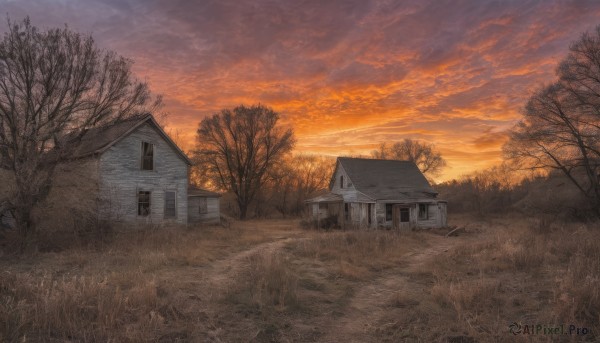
{"type": "Point", "coordinates": [500, 190]}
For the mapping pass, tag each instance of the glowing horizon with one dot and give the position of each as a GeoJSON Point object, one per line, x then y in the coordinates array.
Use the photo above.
{"type": "Point", "coordinates": [346, 76]}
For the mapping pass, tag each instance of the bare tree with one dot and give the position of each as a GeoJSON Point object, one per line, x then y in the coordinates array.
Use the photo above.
{"type": "Point", "coordinates": [54, 85]}
{"type": "Point", "coordinates": [560, 129]}
{"type": "Point", "coordinates": [238, 147]}
{"type": "Point", "coordinates": [423, 154]}
{"type": "Point", "coordinates": [294, 180]}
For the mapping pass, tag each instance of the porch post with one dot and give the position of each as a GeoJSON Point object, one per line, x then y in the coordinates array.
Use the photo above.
{"type": "Point", "coordinates": [318, 214]}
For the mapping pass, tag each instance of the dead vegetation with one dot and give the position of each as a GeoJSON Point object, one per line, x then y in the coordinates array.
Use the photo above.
{"type": "Point", "coordinates": [269, 281]}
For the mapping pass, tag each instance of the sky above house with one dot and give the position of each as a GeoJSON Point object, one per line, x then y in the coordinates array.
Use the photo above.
{"type": "Point", "coordinates": [346, 75]}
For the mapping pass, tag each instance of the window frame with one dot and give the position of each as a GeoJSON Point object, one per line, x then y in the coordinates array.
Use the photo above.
{"type": "Point", "coordinates": [168, 216]}
{"type": "Point", "coordinates": [139, 203]}
{"type": "Point", "coordinates": [388, 212]}
{"type": "Point", "coordinates": [143, 156]}
{"type": "Point", "coordinates": [341, 181]}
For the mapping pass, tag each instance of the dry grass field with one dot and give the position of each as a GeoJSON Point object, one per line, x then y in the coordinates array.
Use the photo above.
{"type": "Point", "coordinates": [270, 281]}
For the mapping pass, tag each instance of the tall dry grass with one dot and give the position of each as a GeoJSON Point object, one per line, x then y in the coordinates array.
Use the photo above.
{"type": "Point", "coordinates": [531, 271]}
{"type": "Point", "coordinates": [360, 253]}
{"type": "Point", "coordinates": [131, 289]}
{"type": "Point", "coordinates": [268, 284]}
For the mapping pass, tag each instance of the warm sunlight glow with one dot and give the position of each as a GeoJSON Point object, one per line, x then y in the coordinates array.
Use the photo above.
{"type": "Point", "coordinates": [345, 76]}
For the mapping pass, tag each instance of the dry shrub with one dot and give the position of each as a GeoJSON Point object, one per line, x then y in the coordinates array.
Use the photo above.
{"type": "Point", "coordinates": [268, 283]}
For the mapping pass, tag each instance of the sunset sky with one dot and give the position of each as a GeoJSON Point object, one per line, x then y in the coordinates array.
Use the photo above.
{"type": "Point", "coordinates": [347, 75]}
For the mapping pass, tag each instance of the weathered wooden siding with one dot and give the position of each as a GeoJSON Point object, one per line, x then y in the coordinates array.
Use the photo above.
{"type": "Point", "coordinates": [437, 215]}
{"type": "Point", "coordinates": [349, 193]}
{"type": "Point", "coordinates": [211, 216]}
{"type": "Point", "coordinates": [434, 220]}
{"type": "Point", "coordinates": [380, 216]}
{"type": "Point", "coordinates": [121, 178]}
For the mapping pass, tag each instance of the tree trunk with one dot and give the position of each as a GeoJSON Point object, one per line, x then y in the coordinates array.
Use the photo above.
{"type": "Point", "coordinates": [243, 210]}
{"type": "Point", "coordinates": [24, 222]}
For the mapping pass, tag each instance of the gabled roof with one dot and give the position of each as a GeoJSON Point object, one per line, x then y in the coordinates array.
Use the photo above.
{"type": "Point", "coordinates": [98, 140]}
{"type": "Point", "coordinates": [385, 179]}
{"type": "Point", "coordinates": [199, 192]}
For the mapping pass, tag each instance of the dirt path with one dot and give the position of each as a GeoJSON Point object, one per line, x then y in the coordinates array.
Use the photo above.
{"type": "Point", "coordinates": [396, 287]}
{"type": "Point", "coordinates": [224, 272]}
{"type": "Point", "coordinates": [202, 287]}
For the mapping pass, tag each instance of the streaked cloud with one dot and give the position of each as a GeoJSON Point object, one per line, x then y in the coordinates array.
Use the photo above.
{"type": "Point", "coordinates": [347, 75]}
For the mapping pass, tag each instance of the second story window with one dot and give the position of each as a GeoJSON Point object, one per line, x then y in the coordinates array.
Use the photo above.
{"type": "Point", "coordinates": [341, 181]}
{"type": "Point", "coordinates": [147, 156]}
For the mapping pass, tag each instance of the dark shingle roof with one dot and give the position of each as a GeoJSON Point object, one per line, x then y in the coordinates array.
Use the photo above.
{"type": "Point", "coordinates": [199, 192]}
{"type": "Point", "coordinates": [99, 139]}
{"type": "Point", "coordinates": [387, 179]}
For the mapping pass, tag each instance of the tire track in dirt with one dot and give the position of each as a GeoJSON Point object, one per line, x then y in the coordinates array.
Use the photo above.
{"type": "Point", "coordinates": [372, 300]}
{"type": "Point", "coordinates": [201, 287]}
{"type": "Point", "coordinates": [224, 271]}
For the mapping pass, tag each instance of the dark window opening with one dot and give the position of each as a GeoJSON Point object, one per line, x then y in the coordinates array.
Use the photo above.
{"type": "Point", "coordinates": [388, 212]}
{"type": "Point", "coordinates": [341, 181]}
{"type": "Point", "coordinates": [346, 211]}
{"type": "Point", "coordinates": [170, 208]}
{"type": "Point", "coordinates": [370, 212]}
{"type": "Point", "coordinates": [423, 211]}
{"type": "Point", "coordinates": [203, 207]}
{"type": "Point", "coordinates": [404, 215]}
{"type": "Point", "coordinates": [147, 156]}
{"type": "Point", "coordinates": [143, 203]}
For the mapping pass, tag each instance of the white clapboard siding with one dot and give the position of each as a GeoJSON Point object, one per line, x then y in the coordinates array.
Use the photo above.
{"type": "Point", "coordinates": [121, 178]}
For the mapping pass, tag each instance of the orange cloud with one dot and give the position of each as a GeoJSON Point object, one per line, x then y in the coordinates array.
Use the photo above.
{"type": "Point", "coordinates": [346, 75]}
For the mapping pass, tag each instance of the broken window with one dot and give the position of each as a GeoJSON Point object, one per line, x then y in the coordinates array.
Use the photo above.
{"type": "Point", "coordinates": [143, 203]}
{"type": "Point", "coordinates": [203, 208]}
{"type": "Point", "coordinates": [388, 212]}
{"type": "Point", "coordinates": [404, 215]}
{"type": "Point", "coordinates": [423, 211]}
{"type": "Point", "coordinates": [170, 207]}
{"type": "Point", "coordinates": [147, 156]}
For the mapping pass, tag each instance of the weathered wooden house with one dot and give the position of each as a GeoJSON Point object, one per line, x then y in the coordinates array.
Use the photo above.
{"type": "Point", "coordinates": [371, 193]}
{"type": "Point", "coordinates": [141, 175]}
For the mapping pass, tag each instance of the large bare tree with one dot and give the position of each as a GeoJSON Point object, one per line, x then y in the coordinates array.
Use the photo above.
{"type": "Point", "coordinates": [54, 85]}
{"type": "Point", "coordinates": [238, 147]}
{"type": "Point", "coordinates": [560, 128]}
{"type": "Point", "coordinates": [423, 154]}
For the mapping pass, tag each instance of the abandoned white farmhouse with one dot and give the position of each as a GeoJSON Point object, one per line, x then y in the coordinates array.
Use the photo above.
{"type": "Point", "coordinates": [371, 193]}
{"type": "Point", "coordinates": [142, 175]}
